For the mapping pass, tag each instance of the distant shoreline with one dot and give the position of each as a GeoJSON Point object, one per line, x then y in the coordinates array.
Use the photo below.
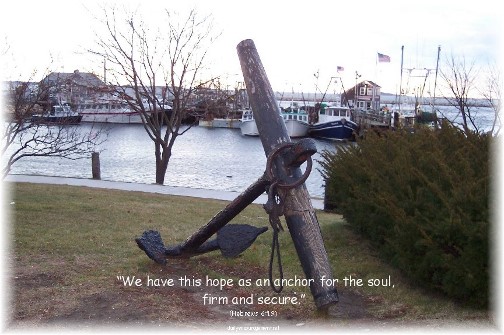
{"type": "Point", "coordinates": [385, 99]}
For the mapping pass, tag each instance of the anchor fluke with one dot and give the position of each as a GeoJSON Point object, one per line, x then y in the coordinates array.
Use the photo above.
{"type": "Point", "coordinates": [152, 243]}
{"type": "Point", "coordinates": [233, 239]}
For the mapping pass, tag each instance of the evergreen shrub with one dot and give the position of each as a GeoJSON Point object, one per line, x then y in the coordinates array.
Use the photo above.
{"type": "Point", "coordinates": [422, 199]}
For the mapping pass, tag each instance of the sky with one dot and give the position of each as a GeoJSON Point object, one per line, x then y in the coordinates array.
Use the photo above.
{"type": "Point", "coordinates": [295, 39]}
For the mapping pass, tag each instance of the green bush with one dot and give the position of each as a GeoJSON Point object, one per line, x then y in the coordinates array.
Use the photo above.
{"type": "Point", "coordinates": [422, 199]}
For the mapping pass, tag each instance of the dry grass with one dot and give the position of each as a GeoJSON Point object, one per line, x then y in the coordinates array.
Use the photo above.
{"type": "Point", "coordinates": [71, 243]}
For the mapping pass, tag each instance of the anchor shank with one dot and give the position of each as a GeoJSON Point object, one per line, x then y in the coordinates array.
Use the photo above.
{"type": "Point", "coordinates": [298, 210]}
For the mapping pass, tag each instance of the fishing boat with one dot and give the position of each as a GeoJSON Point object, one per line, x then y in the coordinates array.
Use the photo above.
{"type": "Point", "coordinates": [421, 115]}
{"type": "Point", "coordinates": [296, 122]}
{"type": "Point", "coordinates": [333, 123]}
{"type": "Point", "coordinates": [117, 111]}
{"type": "Point", "coordinates": [248, 126]}
{"type": "Point", "coordinates": [366, 119]}
{"type": "Point", "coordinates": [108, 112]}
{"type": "Point", "coordinates": [59, 114]}
{"type": "Point", "coordinates": [231, 120]}
{"type": "Point", "coordinates": [220, 123]}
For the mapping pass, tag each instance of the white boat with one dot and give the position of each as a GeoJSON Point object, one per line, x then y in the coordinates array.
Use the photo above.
{"type": "Point", "coordinates": [59, 114]}
{"type": "Point", "coordinates": [213, 114]}
{"type": "Point", "coordinates": [334, 123]}
{"type": "Point", "coordinates": [248, 125]}
{"type": "Point", "coordinates": [296, 122]}
{"type": "Point", "coordinates": [108, 112]}
{"type": "Point", "coordinates": [113, 111]}
{"type": "Point", "coordinates": [220, 123]}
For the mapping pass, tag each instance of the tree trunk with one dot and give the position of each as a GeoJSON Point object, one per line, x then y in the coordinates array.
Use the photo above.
{"type": "Point", "coordinates": [162, 159]}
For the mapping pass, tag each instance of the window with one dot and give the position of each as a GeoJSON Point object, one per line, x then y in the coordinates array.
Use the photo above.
{"type": "Point", "coordinates": [362, 90]}
{"type": "Point", "coordinates": [370, 91]}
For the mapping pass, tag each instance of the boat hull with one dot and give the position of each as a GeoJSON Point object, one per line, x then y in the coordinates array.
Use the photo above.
{"type": "Point", "coordinates": [334, 130]}
{"type": "Point", "coordinates": [120, 117]}
{"type": "Point", "coordinates": [73, 119]}
{"type": "Point", "coordinates": [249, 128]}
{"type": "Point", "coordinates": [220, 123]}
{"type": "Point", "coordinates": [296, 128]}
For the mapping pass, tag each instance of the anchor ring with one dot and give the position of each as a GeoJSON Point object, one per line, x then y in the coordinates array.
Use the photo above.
{"type": "Point", "coordinates": [269, 165]}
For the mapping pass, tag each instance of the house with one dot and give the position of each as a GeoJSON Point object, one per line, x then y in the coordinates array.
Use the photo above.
{"type": "Point", "coordinates": [72, 87]}
{"type": "Point", "coordinates": [364, 95]}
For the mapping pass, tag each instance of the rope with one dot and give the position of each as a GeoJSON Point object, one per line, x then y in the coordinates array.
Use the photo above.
{"type": "Point", "coordinates": [274, 207]}
{"type": "Point", "coordinates": [275, 245]}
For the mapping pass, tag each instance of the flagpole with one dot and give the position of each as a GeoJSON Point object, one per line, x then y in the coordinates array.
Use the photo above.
{"type": "Point", "coordinates": [376, 66]}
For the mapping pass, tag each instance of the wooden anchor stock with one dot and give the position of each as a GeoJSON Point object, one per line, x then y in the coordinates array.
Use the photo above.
{"type": "Point", "coordinates": [298, 210]}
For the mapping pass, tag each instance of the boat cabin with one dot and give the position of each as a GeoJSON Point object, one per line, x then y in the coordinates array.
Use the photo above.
{"type": "Point", "coordinates": [295, 116]}
{"type": "Point", "coordinates": [336, 111]}
{"type": "Point", "coordinates": [60, 110]}
{"type": "Point", "coordinates": [247, 115]}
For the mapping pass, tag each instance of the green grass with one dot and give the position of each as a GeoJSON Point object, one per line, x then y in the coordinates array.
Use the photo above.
{"type": "Point", "coordinates": [86, 236]}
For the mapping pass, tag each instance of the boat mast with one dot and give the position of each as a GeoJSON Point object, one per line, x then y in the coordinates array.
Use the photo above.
{"type": "Point", "coordinates": [400, 83]}
{"type": "Point", "coordinates": [435, 79]}
{"type": "Point", "coordinates": [105, 70]}
{"type": "Point", "coordinates": [343, 92]}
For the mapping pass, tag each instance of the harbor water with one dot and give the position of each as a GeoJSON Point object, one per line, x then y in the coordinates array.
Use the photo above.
{"type": "Point", "coordinates": [205, 158]}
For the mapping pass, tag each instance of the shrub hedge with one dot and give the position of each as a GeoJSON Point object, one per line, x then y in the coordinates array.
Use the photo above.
{"type": "Point", "coordinates": [422, 198]}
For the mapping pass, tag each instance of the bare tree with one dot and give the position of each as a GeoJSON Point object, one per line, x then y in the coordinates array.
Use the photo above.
{"type": "Point", "coordinates": [23, 138]}
{"type": "Point", "coordinates": [492, 94]}
{"type": "Point", "coordinates": [156, 70]}
{"type": "Point", "coordinates": [460, 77]}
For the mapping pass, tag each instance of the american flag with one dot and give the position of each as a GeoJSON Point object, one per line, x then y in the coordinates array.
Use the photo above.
{"type": "Point", "coordinates": [383, 58]}
{"type": "Point", "coordinates": [340, 68]}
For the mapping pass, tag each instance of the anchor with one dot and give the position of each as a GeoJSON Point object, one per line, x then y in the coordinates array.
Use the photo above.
{"type": "Point", "coordinates": [283, 180]}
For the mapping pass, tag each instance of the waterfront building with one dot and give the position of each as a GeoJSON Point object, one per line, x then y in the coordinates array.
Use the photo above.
{"type": "Point", "coordinates": [364, 95]}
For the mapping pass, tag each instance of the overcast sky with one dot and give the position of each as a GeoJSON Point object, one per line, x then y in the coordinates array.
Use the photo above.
{"type": "Point", "coordinates": [295, 39]}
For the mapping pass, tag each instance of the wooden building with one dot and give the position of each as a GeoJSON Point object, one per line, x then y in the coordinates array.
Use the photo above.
{"type": "Point", "coordinates": [72, 87]}
{"type": "Point", "coordinates": [364, 96]}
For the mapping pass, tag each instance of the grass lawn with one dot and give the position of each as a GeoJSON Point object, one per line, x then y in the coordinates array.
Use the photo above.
{"type": "Point", "coordinates": [70, 244]}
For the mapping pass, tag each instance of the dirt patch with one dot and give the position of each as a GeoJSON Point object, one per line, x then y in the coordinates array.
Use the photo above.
{"type": "Point", "coordinates": [37, 280]}
{"type": "Point", "coordinates": [47, 295]}
{"type": "Point", "coordinates": [350, 306]}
